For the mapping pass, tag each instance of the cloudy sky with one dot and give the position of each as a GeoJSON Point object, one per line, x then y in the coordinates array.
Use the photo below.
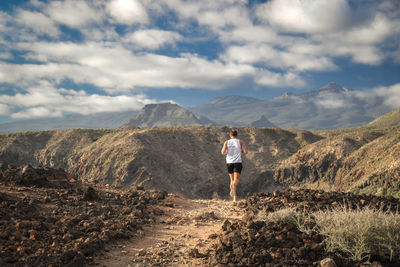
{"type": "Point", "coordinates": [89, 56]}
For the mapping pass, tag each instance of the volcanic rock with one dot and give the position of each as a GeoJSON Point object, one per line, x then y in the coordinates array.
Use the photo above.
{"type": "Point", "coordinates": [327, 262]}
{"type": "Point", "coordinates": [43, 223]}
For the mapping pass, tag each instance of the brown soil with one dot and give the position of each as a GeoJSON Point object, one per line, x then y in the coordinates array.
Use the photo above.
{"type": "Point", "coordinates": [182, 236]}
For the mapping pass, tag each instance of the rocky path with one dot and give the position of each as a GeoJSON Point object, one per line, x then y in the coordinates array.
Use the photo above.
{"type": "Point", "coordinates": [183, 235]}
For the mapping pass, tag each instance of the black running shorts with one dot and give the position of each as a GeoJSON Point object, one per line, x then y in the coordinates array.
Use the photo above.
{"type": "Point", "coordinates": [234, 167]}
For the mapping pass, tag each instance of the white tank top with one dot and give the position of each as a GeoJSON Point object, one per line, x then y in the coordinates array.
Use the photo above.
{"type": "Point", "coordinates": [234, 150]}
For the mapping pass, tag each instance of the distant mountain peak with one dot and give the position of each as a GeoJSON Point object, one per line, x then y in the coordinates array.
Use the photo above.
{"type": "Point", "coordinates": [166, 115]}
{"type": "Point", "coordinates": [329, 88]}
{"type": "Point", "coordinates": [160, 105]}
{"type": "Point", "coordinates": [334, 88]}
{"type": "Point", "coordinates": [262, 122]}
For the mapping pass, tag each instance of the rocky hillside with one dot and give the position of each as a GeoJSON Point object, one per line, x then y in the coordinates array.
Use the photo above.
{"type": "Point", "coordinates": [184, 160]}
{"type": "Point", "coordinates": [364, 159]}
{"type": "Point", "coordinates": [166, 115]}
{"type": "Point", "coordinates": [187, 160]}
{"type": "Point", "coordinates": [391, 119]}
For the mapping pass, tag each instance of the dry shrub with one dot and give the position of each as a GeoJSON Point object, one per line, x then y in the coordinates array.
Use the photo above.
{"type": "Point", "coordinates": [353, 234]}
{"type": "Point", "coordinates": [358, 232]}
{"type": "Point", "coordinates": [282, 215]}
{"type": "Point", "coordinates": [302, 220]}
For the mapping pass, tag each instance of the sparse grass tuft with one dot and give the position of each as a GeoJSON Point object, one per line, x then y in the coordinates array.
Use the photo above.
{"type": "Point", "coordinates": [353, 234]}
{"type": "Point", "coordinates": [358, 232]}
{"type": "Point", "coordinates": [282, 215]}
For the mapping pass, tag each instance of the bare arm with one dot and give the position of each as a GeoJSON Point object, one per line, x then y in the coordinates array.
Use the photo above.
{"type": "Point", "coordinates": [244, 149]}
{"type": "Point", "coordinates": [223, 150]}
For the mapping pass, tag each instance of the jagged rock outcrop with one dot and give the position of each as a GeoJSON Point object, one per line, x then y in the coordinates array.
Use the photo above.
{"type": "Point", "coordinates": [27, 175]}
{"type": "Point", "coordinates": [166, 115]}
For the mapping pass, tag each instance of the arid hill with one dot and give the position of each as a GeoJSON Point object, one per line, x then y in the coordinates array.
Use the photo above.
{"type": "Point", "coordinates": [364, 159]}
{"type": "Point", "coordinates": [187, 160]}
{"type": "Point", "coordinates": [184, 160]}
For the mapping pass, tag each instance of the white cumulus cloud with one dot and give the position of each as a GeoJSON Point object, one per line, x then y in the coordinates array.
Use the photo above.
{"type": "Point", "coordinates": [37, 112]}
{"type": "Point", "coordinates": [390, 94]}
{"type": "Point", "coordinates": [73, 13]}
{"type": "Point", "coordinates": [4, 109]}
{"type": "Point", "coordinates": [114, 68]}
{"type": "Point", "coordinates": [45, 100]}
{"type": "Point", "coordinates": [153, 39]}
{"type": "Point", "coordinates": [273, 79]}
{"type": "Point", "coordinates": [128, 11]}
{"type": "Point", "coordinates": [38, 22]}
{"type": "Point", "coordinates": [331, 101]}
{"type": "Point", "coordinates": [306, 16]}
{"type": "Point", "coordinates": [271, 56]}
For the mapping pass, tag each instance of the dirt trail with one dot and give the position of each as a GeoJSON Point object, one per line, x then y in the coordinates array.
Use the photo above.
{"type": "Point", "coordinates": [182, 236]}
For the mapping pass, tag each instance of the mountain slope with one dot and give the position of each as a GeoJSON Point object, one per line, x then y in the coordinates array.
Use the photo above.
{"type": "Point", "coordinates": [166, 115]}
{"type": "Point", "coordinates": [329, 107]}
{"type": "Point", "coordinates": [364, 159]}
{"type": "Point", "coordinates": [184, 160]}
{"type": "Point", "coordinates": [329, 88]}
{"type": "Point", "coordinates": [262, 122]}
{"type": "Point", "coordinates": [391, 119]}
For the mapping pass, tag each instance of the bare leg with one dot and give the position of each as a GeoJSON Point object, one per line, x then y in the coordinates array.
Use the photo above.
{"type": "Point", "coordinates": [231, 176]}
{"type": "Point", "coordinates": [236, 177]}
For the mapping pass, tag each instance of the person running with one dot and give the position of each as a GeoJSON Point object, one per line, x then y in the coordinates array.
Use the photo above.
{"type": "Point", "coordinates": [233, 149]}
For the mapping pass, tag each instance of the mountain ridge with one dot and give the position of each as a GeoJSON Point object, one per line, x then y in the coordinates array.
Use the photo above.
{"type": "Point", "coordinates": [330, 107]}
{"type": "Point", "coordinates": [329, 88]}
{"type": "Point", "coordinates": [166, 115]}
{"type": "Point", "coordinates": [187, 160]}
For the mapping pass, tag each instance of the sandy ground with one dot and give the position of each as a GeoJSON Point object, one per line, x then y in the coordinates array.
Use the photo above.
{"type": "Point", "coordinates": [182, 236]}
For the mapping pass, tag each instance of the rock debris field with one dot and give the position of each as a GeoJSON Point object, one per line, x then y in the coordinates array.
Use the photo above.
{"type": "Point", "coordinates": [48, 218]}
